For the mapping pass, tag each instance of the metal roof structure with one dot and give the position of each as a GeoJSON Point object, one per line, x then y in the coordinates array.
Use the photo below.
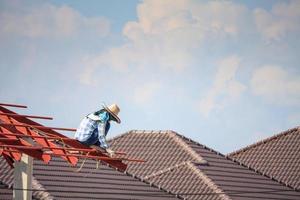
{"type": "Point", "coordinates": [20, 135]}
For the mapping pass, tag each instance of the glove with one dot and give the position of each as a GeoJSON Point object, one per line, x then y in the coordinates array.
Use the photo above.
{"type": "Point", "coordinates": [110, 152]}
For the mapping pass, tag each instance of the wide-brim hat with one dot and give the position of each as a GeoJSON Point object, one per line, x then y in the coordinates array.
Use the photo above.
{"type": "Point", "coordinates": [114, 110]}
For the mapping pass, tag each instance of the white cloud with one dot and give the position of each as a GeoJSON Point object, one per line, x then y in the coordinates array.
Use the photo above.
{"type": "Point", "coordinates": [225, 87]}
{"type": "Point", "coordinates": [44, 20]}
{"type": "Point", "coordinates": [276, 85]}
{"type": "Point", "coordinates": [167, 34]}
{"type": "Point", "coordinates": [145, 93]}
{"type": "Point", "coordinates": [282, 19]}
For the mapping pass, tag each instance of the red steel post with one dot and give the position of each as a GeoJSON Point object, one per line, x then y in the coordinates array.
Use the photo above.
{"type": "Point", "coordinates": [28, 116]}
{"type": "Point", "coordinates": [13, 105]}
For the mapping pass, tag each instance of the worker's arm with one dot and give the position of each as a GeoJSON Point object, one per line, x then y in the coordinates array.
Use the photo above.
{"type": "Point", "coordinates": [101, 135]}
{"type": "Point", "coordinates": [103, 127]}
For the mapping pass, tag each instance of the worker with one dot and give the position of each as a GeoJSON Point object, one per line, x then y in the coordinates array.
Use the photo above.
{"type": "Point", "coordinates": [94, 127]}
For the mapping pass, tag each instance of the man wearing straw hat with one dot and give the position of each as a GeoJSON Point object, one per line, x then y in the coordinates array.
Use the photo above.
{"type": "Point", "coordinates": [94, 127]}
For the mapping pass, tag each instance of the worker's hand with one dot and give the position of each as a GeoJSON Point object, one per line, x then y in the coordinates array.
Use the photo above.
{"type": "Point", "coordinates": [97, 148]}
{"type": "Point", "coordinates": [110, 152]}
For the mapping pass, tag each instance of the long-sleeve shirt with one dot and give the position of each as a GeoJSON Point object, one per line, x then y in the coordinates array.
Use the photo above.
{"type": "Point", "coordinates": [93, 129]}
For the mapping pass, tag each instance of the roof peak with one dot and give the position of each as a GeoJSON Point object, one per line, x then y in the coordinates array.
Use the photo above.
{"type": "Point", "coordinates": [263, 141]}
{"type": "Point", "coordinates": [228, 157]}
{"type": "Point", "coordinates": [174, 135]}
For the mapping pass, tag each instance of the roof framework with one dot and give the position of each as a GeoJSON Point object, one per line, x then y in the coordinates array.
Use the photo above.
{"type": "Point", "coordinates": [20, 135]}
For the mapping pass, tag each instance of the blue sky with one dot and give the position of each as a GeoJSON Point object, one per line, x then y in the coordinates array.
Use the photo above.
{"type": "Point", "coordinates": [224, 73]}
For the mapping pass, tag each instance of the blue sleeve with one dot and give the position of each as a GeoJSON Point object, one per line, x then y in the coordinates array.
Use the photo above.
{"type": "Point", "coordinates": [101, 135]}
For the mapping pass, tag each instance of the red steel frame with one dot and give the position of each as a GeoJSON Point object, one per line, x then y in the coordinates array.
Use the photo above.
{"type": "Point", "coordinates": [18, 135]}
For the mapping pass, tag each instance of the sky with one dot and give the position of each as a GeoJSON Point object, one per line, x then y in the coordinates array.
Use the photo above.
{"type": "Point", "coordinates": [223, 73]}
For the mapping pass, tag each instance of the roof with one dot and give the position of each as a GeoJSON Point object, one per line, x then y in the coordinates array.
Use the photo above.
{"type": "Point", "coordinates": [58, 180]}
{"type": "Point", "coordinates": [5, 193]}
{"type": "Point", "coordinates": [194, 171]}
{"type": "Point", "coordinates": [277, 157]}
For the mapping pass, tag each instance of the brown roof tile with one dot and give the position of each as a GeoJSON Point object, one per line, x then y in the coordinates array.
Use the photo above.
{"type": "Point", "coordinates": [192, 182]}
{"type": "Point", "coordinates": [195, 171]}
{"type": "Point", "coordinates": [277, 157]}
{"type": "Point", "coordinates": [57, 180]}
{"type": "Point", "coordinates": [5, 193]}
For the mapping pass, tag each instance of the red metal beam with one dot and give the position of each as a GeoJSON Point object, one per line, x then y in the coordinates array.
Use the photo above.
{"type": "Point", "coordinates": [36, 136]}
{"type": "Point", "coordinates": [36, 154]}
{"type": "Point", "coordinates": [20, 147]}
{"type": "Point", "coordinates": [26, 131]}
{"type": "Point", "coordinates": [8, 139]}
{"type": "Point", "coordinates": [73, 143]}
{"type": "Point", "coordinates": [51, 148]}
{"type": "Point", "coordinates": [41, 141]}
{"type": "Point", "coordinates": [13, 105]}
{"type": "Point", "coordinates": [104, 158]}
{"type": "Point", "coordinates": [37, 127]}
{"type": "Point", "coordinates": [28, 116]}
{"type": "Point", "coordinates": [42, 147]}
{"type": "Point", "coordinates": [57, 138]}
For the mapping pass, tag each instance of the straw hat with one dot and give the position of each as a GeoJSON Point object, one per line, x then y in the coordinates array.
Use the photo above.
{"type": "Point", "coordinates": [114, 110]}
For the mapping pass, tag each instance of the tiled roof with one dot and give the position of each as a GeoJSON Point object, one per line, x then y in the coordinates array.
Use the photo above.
{"type": "Point", "coordinates": [191, 181]}
{"type": "Point", "coordinates": [5, 193]}
{"type": "Point", "coordinates": [57, 180]}
{"type": "Point", "coordinates": [194, 171]}
{"type": "Point", "coordinates": [277, 157]}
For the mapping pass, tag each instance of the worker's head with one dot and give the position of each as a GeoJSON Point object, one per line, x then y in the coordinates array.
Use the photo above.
{"type": "Point", "coordinates": [113, 111]}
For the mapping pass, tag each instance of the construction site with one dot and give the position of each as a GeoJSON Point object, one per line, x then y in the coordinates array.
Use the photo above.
{"type": "Point", "coordinates": [37, 162]}
{"type": "Point", "coordinates": [149, 100]}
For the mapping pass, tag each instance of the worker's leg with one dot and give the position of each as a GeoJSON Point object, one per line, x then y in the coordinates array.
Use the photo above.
{"type": "Point", "coordinates": [92, 140]}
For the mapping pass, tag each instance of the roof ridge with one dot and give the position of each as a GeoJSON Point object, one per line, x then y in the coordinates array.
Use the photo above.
{"type": "Point", "coordinates": [157, 173]}
{"type": "Point", "coordinates": [152, 184]}
{"type": "Point", "coordinates": [172, 134]}
{"type": "Point", "coordinates": [202, 175]}
{"type": "Point", "coordinates": [199, 144]}
{"type": "Point", "coordinates": [119, 136]}
{"type": "Point", "coordinates": [263, 141]}
{"type": "Point", "coordinates": [179, 136]}
{"type": "Point", "coordinates": [190, 150]}
{"type": "Point", "coordinates": [136, 131]}
{"type": "Point", "coordinates": [209, 181]}
{"type": "Point", "coordinates": [242, 164]}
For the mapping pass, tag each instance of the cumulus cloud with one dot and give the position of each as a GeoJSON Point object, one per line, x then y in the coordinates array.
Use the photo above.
{"type": "Point", "coordinates": [225, 87]}
{"type": "Point", "coordinates": [282, 19]}
{"type": "Point", "coordinates": [44, 20]}
{"type": "Point", "coordinates": [167, 33]}
{"type": "Point", "coordinates": [276, 85]}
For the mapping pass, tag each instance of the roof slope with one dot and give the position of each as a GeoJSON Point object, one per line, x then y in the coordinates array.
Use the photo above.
{"type": "Point", "coordinates": [5, 193]}
{"type": "Point", "coordinates": [194, 171]}
{"type": "Point", "coordinates": [277, 157]}
{"type": "Point", "coordinates": [57, 180]}
{"type": "Point", "coordinates": [185, 179]}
